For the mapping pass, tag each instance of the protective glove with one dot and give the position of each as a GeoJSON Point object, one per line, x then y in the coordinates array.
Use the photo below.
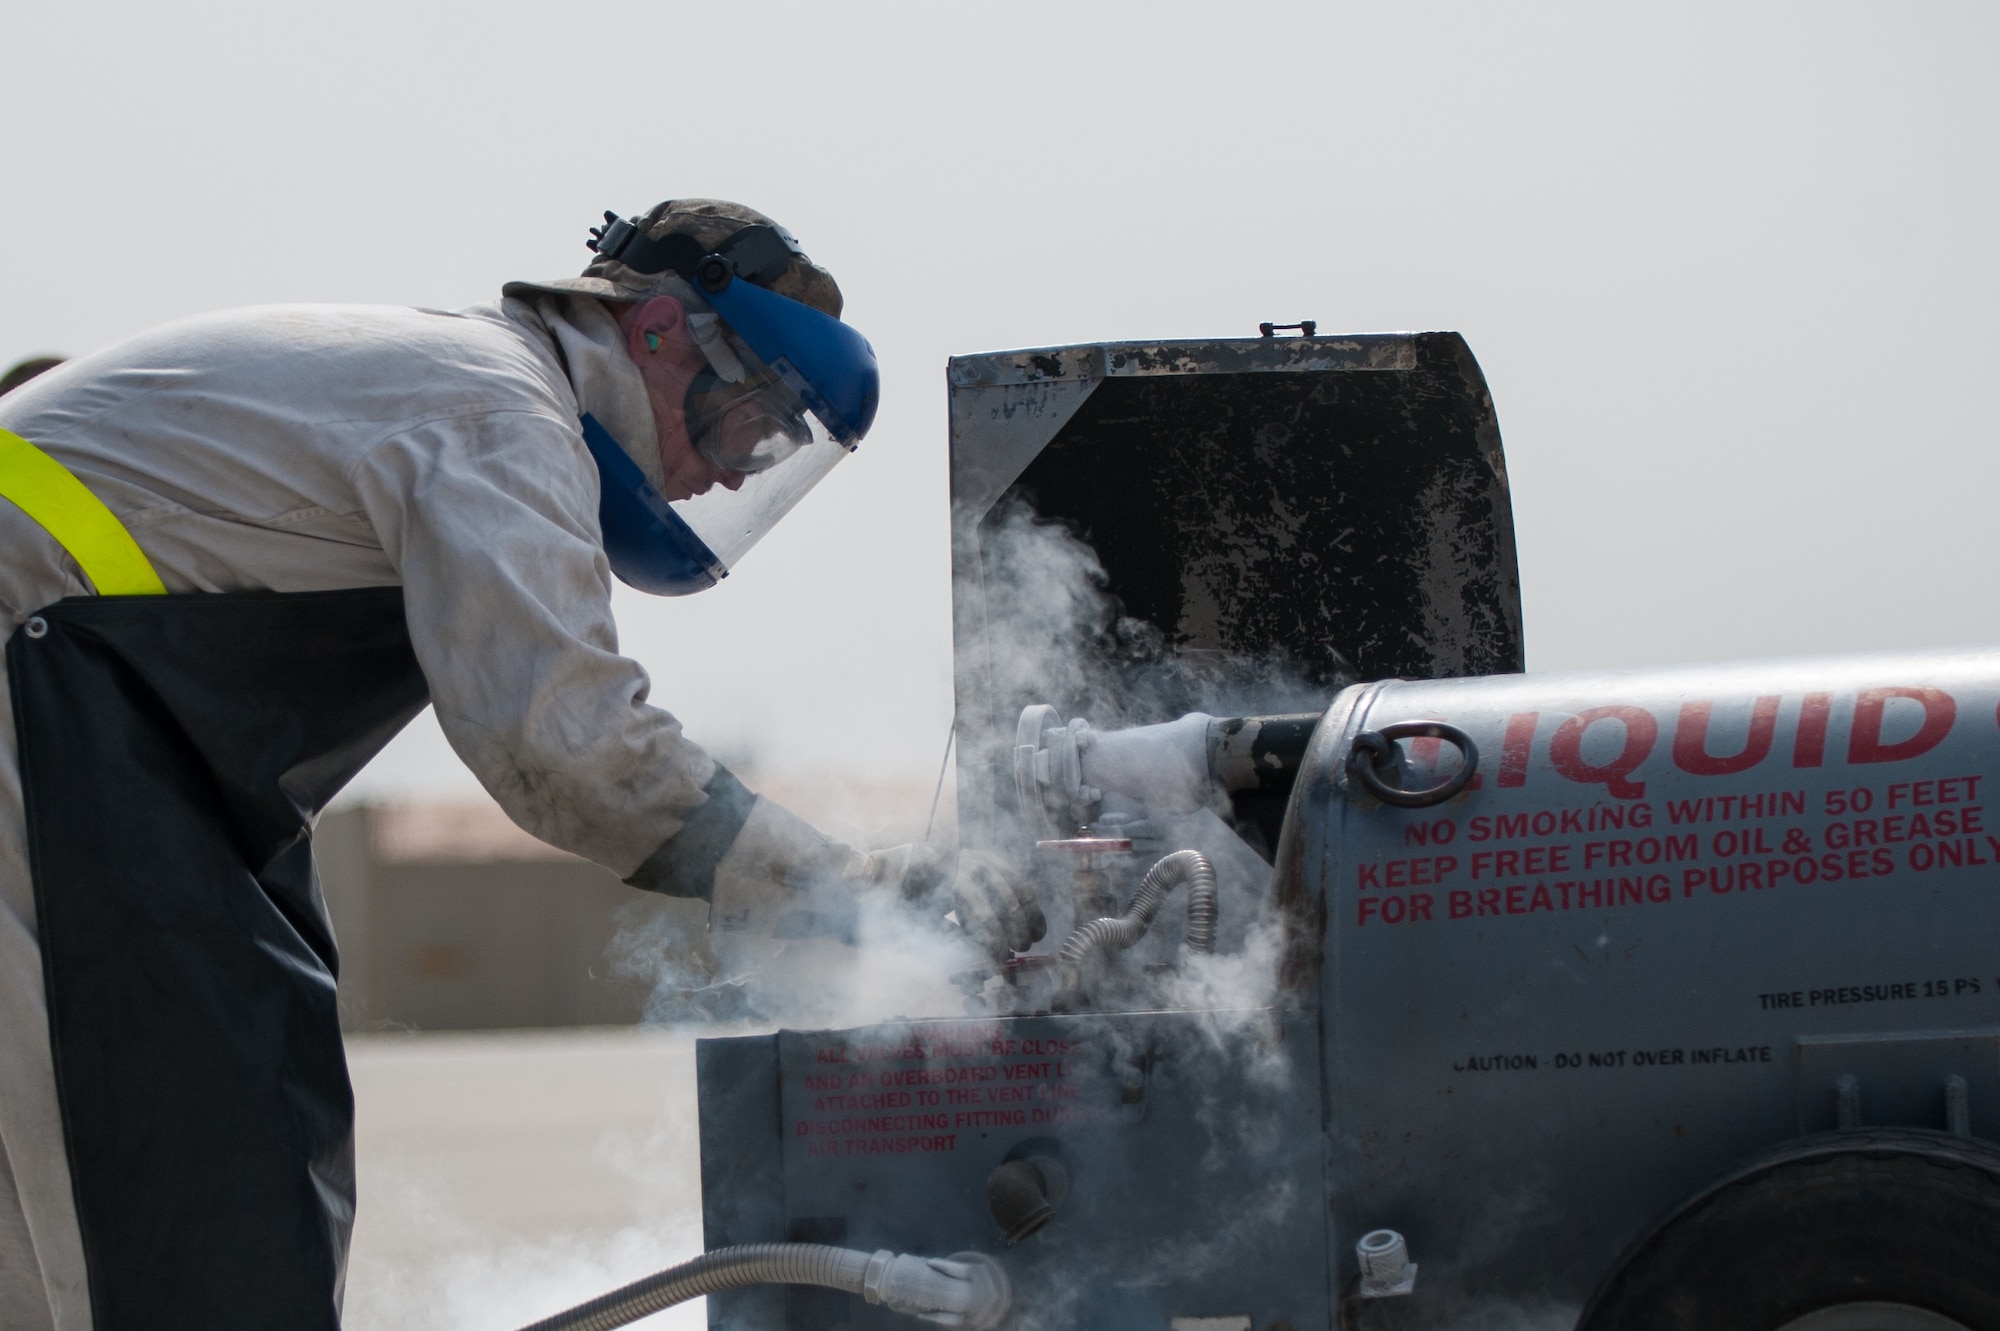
{"type": "Point", "coordinates": [997, 911]}
{"type": "Point", "coordinates": [777, 848]}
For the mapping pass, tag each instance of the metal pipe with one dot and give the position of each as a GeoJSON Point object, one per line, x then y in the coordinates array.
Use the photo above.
{"type": "Point", "coordinates": [968, 1290]}
{"type": "Point", "coordinates": [1259, 753]}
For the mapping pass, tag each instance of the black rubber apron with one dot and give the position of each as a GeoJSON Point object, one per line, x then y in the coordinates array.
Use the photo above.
{"type": "Point", "coordinates": [174, 751]}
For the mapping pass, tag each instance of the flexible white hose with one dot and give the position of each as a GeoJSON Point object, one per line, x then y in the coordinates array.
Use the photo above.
{"type": "Point", "coordinates": [967, 1291]}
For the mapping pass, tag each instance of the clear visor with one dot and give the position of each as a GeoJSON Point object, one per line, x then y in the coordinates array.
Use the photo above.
{"type": "Point", "coordinates": [788, 457]}
{"type": "Point", "coordinates": [749, 424]}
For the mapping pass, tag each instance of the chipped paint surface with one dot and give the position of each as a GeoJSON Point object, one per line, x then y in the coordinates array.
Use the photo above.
{"type": "Point", "coordinates": [999, 430]}
{"type": "Point", "coordinates": [1275, 355]}
{"type": "Point", "coordinates": [1273, 516]}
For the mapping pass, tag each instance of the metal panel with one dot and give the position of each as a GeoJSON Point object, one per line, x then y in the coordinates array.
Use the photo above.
{"type": "Point", "coordinates": [998, 432]}
{"type": "Point", "coordinates": [1288, 355]}
{"type": "Point", "coordinates": [1191, 1142]}
{"type": "Point", "coordinates": [1899, 1079]}
{"type": "Point", "coordinates": [742, 1167]}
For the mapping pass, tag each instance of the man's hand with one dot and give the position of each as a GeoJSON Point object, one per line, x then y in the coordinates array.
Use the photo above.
{"type": "Point", "coordinates": [777, 852]}
{"type": "Point", "coordinates": [997, 911]}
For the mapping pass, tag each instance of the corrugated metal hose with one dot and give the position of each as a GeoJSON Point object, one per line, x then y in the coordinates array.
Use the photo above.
{"type": "Point", "coordinates": [1116, 933]}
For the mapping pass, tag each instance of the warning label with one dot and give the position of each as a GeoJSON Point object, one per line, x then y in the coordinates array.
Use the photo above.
{"type": "Point", "coordinates": [1668, 1057]}
{"type": "Point", "coordinates": [931, 1089]}
{"type": "Point", "coordinates": [1645, 852]}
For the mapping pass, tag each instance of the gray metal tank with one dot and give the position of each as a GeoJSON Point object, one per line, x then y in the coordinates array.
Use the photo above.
{"type": "Point", "coordinates": [1680, 917]}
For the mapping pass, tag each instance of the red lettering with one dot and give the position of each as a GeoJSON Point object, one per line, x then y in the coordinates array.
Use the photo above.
{"type": "Point", "coordinates": [1438, 833]}
{"type": "Point", "coordinates": [1809, 747]}
{"type": "Point", "coordinates": [1642, 730]}
{"type": "Point", "coordinates": [1425, 871]}
{"type": "Point", "coordinates": [1691, 739]}
{"type": "Point", "coordinates": [1515, 748]}
{"type": "Point", "coordinates": [1865, 744]}
{"type": "Point", "coordinates": [1557, 858]}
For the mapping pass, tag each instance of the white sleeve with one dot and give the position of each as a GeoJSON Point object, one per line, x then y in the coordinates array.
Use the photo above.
{"type": "Point", "coordinates": [492, 520]}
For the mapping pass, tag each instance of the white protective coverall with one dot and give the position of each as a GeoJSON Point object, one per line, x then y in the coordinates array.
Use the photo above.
{"type": "Point", "coordinates": [305, 448]}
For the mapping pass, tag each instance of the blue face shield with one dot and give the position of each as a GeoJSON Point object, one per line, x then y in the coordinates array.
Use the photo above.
{"type": "Point", "coordinates": [650, 546]}
{"type": "Point", "coordinates": [791, 392]}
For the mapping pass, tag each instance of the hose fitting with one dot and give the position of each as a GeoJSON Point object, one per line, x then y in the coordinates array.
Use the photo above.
{"type": "Point", "coordinates": [968, 1290]}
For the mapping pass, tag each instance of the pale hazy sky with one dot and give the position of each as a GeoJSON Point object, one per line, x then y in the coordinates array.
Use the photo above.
{"type": "Point", "coordinates": [1731, 270]}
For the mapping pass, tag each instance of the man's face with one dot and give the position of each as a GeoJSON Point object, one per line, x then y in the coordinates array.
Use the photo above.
{"type": "Point", "coordinates": [657, 339]}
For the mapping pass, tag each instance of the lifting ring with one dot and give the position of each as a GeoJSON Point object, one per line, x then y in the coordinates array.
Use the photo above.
{"type": "Point", "coordinates": [1375, 750]}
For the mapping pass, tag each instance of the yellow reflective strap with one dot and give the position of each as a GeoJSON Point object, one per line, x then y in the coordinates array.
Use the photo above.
{"type": "Point", "coordinates": [49, 493]}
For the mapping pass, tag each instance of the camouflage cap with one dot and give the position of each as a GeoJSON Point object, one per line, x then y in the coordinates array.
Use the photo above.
{"type": "Point", "coordinates": [709, 222]}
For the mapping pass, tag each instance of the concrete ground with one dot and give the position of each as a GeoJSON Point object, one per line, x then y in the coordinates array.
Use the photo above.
{"type": "Point", "coordinates": [508, 1175]}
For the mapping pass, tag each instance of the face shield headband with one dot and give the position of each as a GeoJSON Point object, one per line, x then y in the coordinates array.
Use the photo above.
{"type": "Point", "coordinates": [826, 365]}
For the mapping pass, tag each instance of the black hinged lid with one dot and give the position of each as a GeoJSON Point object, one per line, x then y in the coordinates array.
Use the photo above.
{"type": "Point", "coordinates": [1273, 517]}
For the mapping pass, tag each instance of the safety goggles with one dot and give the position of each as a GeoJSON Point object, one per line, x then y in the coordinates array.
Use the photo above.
{"type": "Point", "coordinates": [741, 414]}
{"type": "Point", "coordinates": [745, 428]}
